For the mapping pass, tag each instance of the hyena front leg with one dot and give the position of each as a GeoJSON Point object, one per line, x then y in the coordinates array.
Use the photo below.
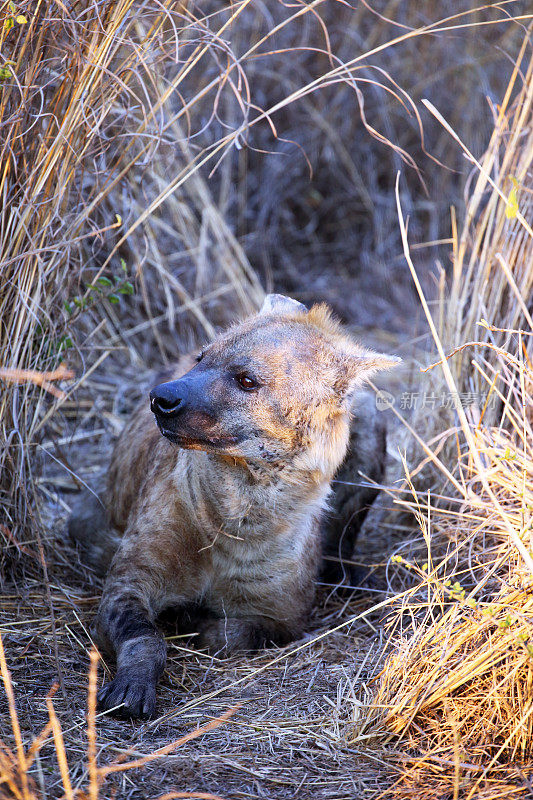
{"type": "Point", "coordinates": [126, 626]}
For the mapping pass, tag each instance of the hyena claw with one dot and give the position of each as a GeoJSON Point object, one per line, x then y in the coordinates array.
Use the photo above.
{"type": "Point", "coordinates": [131, 695]}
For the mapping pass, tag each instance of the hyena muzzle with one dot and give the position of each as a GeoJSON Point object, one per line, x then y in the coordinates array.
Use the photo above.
{"type": "Point", "coordinates": [221, 505]}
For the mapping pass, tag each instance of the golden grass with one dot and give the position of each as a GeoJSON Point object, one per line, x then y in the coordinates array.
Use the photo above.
{"type": "Point", "coordinates": [80, 105]}
{"type": "Point", "coordinates": [458, 688]}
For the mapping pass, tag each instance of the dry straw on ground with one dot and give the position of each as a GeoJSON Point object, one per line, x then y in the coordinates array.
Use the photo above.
{"type": "Point", "coordinates": [14, 766]}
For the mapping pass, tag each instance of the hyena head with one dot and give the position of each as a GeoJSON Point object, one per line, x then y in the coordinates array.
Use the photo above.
{"type": "Point", "coordinates": [274, 389]}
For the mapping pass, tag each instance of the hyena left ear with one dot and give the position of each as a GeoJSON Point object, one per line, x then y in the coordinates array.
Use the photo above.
{"type": "Point", "coordinates": [279, 304]}
{"type": "Point", "coordinates": [357, 368]}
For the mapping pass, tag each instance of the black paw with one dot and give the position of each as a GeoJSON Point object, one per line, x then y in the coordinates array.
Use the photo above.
{"type": "Point", "coordinates": [133, 693]}
{"type": "Point", "coordinates": [345, 579]}
{"type": "Point", "coordinates": [230, 635]}
{"type": "Point", "coordinates": [213, 636]}
{"type": "Point", "coordinates": [225, 637]}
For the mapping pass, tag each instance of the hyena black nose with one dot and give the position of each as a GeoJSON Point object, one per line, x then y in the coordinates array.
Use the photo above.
{"type": "Point", "coordinates": [166, 399]}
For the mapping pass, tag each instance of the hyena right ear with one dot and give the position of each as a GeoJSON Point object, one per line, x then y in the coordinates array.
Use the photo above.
{"type": "Point", "coordinates": [357, 367]}
{"type": "Point", "coordinates": [279, 304]}
{"type": "Point", "coordinates": [370, 363]}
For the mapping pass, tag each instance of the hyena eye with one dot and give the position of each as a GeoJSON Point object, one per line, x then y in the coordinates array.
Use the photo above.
{"type": "Point", "coordinates": [246, 382]}
{"type": "Point", "coordinates": [199, 357]}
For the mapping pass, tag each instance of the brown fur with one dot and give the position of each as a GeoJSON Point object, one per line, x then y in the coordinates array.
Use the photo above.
{"type": "Point", "coordinates": [228, 513]}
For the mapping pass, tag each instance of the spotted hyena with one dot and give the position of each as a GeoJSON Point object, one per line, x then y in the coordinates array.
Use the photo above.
{"type": "Point", "coordinates": [219, 506]}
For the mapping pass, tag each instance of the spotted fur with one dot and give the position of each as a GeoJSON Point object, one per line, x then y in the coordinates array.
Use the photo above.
{"type": "Point", "coordinates": [224, 511]}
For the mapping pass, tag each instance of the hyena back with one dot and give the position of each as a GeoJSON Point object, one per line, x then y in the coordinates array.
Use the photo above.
{"type": "Point", "coordinates": [225, 508]}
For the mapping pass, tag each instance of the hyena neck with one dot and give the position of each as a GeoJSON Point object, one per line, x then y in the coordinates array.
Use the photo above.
{"type": "Point", "coordinates": [241, 493]}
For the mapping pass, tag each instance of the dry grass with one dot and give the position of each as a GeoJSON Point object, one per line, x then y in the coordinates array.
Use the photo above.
{"type": "Point", "coordinates": [458, 688]}
{"type": "Point", "coordinates": [83, 120]}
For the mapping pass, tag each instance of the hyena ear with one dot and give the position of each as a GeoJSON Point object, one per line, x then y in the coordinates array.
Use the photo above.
{"type": "Point", "coordinates": [356, 368]}
{"type": "Point", "coordinates": [279, 304]}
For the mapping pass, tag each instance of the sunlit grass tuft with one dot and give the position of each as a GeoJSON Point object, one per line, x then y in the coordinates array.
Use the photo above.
{"type": "Point", "coordinates": [457, 689]}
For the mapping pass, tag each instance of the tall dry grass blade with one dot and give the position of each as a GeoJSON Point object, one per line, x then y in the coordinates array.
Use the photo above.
{"type": "Point", "coordinates": [21, 756]}
{"type": "Point", "coordinates": [61, 754]}
{"type": "Point", "coordinates": [92, 766]}
{"type": "Point", "coordinates": [465, 425]}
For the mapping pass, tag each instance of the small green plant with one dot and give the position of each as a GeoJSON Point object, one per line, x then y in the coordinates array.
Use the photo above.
{"type": "Point", "coordinates": [6, 71]}
{"type": "Point", "coordinates": [13, 18]}
{"type": "Point", "coordinates": [103, 288]}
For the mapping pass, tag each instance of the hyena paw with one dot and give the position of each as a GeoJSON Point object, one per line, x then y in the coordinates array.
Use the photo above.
{"type": "Point", "coordinates": [232, 635]}
{"type": "Point", "coordinates": [134, 694]}
{"type": "Point", "coordinates": [226, 636]}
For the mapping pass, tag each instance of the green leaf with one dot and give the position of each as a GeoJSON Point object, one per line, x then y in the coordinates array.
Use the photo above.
{"type": "Point", "coordinates": [5, 73]}
{"type": "Point", "coordinates": [113, 298]}
{"type": "Point", "coordinates": [8, 24]}
{"type": "Point", "coordinates": [21, 19]}
{"type": "Point", "coordinates": [123, 265]}
{"type": "Point", "coordinates": [68, 307]}
{"type": "Point", "coordinates": [65, 343]}
{"type": "Point", "coordinates": [126, 288]}
{"type": "Point", "coordinates": [104, 282]}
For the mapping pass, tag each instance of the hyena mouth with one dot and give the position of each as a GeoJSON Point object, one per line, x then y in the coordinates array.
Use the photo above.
{"type": "Point", "coordinates": [196, 442]}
